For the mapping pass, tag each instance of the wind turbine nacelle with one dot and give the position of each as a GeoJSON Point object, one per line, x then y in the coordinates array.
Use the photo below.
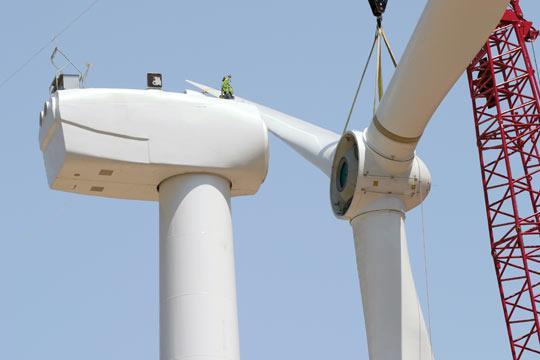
{"type": "Point", "coordinates": [123, 143]}
{"type": "Point", "coordinates": [364, 181]}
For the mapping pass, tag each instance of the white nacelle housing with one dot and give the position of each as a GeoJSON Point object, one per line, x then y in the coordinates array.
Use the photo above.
{"type": "Point", "coordinates": [123, 143]}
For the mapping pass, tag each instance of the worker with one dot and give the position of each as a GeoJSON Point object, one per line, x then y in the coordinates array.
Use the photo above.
{"type": "Point", "coordinates": [226, 88]}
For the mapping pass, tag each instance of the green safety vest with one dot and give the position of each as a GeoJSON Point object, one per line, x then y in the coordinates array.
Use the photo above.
{"type": "Point", "coordinates": [226, 87]}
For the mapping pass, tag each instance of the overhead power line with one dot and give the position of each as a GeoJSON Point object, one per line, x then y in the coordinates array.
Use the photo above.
{"type": "Point", "coordinates": [48, 43]}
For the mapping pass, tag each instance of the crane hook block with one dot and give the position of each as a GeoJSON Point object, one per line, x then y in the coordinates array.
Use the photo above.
{"type": "Point", "coordinates": [378, 7]}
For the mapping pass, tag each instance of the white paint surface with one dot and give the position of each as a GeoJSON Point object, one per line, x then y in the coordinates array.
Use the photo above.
{"type": "Point", "coordinates": [198, 311]}
{"type": "Point", "coordinates": [395, 325]}
{"type": "Point", "coordinates": [146, 136]}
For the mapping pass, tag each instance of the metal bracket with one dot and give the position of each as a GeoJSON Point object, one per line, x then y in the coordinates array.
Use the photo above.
{"type": "Point", "coordinates": [60, 68]}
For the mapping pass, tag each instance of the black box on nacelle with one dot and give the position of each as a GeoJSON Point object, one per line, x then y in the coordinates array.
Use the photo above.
{"type": "Point", "coordinates": [65, 82]}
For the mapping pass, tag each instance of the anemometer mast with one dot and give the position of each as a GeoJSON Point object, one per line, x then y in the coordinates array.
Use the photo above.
{"type": "Point", "coordinates": [505, 96]}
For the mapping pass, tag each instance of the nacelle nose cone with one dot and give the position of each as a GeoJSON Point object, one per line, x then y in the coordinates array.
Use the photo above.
{"type": "Point", "coordinates": [123, 143]}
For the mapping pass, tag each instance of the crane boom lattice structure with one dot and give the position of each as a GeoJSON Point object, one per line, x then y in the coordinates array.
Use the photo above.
{"type": "Point", "coordinates": [506, 106]}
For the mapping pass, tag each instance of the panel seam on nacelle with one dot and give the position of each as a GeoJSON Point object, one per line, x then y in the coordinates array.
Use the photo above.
{"type": "Point", "coordinates": [104, 132]}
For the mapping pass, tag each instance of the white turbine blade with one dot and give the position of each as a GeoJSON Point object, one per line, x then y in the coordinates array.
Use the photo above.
{"type": "Point", "coordinates": [205, 89]}
{"type": "Point", "coordinates": [448, 36]}
{"type": "Point", "coordinates": [395, 325]}
{"type": "Point", "coordinates": [315, 144]}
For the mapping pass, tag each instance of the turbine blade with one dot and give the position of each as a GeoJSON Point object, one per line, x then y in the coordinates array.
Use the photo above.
{"type": "Point", "coordinates": [395, 325]}
{"type": "Point", "coordinates": [205, 89]}
{"type": "Point", "coordinates": [448, 36]}
{"type": "Point", "coordinates": [315, 144]}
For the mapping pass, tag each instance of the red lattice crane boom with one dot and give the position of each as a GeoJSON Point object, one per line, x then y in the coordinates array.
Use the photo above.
{"type": "Point", "coordinates": [505, 96]}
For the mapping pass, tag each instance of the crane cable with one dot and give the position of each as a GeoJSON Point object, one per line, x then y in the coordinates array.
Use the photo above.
{"type": "Point", "coordinates": [426, 278]}
{"type": "Point", "coordinates": [361, 81]}
{"type": "Point", "coordinates": [380, 36]}
{"type": "Point", "coordinates": [426, 275]}
{"type": "Point", "coordinates": [379, 83]}
{"type": "Point", "coordinates": [46, 45]}
{"type": "Point", "coordinates": [379, 91]}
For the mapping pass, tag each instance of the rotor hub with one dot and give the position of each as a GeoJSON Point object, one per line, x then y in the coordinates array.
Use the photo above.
{"type": "Point", "coordinates": [361, 177]}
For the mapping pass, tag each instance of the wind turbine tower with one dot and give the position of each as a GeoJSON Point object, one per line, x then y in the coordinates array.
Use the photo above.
{"type": "Point", "coordinates": [191, 153]}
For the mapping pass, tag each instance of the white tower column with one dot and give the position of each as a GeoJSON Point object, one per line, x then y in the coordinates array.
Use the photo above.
{"type": "Point", "coordinates": [395, 325]}
{"type": "Point", "coordinates": [198, 311]}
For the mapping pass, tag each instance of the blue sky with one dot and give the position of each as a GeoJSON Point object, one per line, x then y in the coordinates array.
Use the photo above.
{"type": "Point", "coordinates": [78, 275]}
